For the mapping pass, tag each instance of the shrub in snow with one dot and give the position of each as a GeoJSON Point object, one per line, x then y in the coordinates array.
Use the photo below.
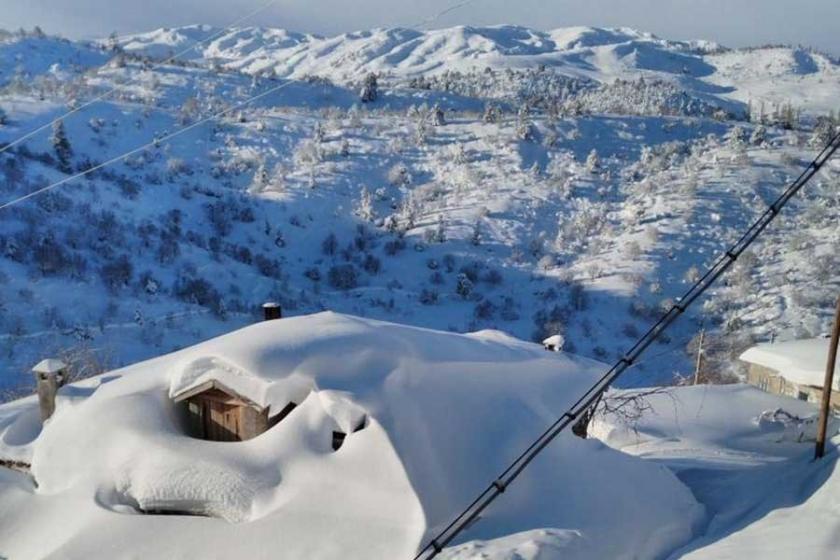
{"type": "Point", "coordinates": [117, 273]}
{"type": "Point", "coordinates": [758, 136]}
{"type": "Point", "coordinates": [438, 116]}
{"type": "Point", "coordinates": [266, 266]}
{"type": "Point", "coordinates": [399, 175]}
{"type": "Point", "coordinates": [464, 286]}
{"type": "Point", "coordinates": [343, 276]}
{"type": "Point", "coordinates": [484, 310]}
{"type": "Point", "coordinates": [428, 296]}
{"type": "Point", "coordinates": [200, 292]}
{"type": "Point", "coordinates": [394, 246]}
{"type": "Point", "coordinates": [371, 264]}
{"type": "Point", "coordinates": [492, 113]}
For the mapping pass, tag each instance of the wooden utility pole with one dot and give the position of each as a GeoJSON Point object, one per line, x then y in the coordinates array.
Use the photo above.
{"type": "Point", "coordinates": [699, 364]}
{"type": "Point", "coordinates": [828, 383]}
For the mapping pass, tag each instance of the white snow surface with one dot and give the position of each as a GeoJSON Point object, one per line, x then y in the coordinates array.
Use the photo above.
{"type": "Point", "coordinates": [798, 361]}
{"type": "Point", "coordinates": [773, 74]}
{"type": "Point", "coordinates": [764, 494]}
{"type": "Point", "coordinates": [445, 414]}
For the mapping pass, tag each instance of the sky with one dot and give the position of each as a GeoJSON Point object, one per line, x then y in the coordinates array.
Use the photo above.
{"type": "Point", "coordinates": [733, 23]}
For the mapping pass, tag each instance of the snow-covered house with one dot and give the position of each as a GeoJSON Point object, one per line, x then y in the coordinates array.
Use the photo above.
{"type": "Point", "coordinates": [794, 368]}
{"type": "Point", "coordinates": [422, 418]}
{"type": "Point", "coordinates": [219, 413]}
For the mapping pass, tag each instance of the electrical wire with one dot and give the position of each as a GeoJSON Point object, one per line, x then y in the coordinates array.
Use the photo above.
{"type": "Point", "coordinates": [496, 488]}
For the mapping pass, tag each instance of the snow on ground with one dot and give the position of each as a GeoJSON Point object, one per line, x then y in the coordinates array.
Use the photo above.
{"type": "Point", "coordinates": [764, 495]}
{"type": "Point", "coordinates": [446, 412]}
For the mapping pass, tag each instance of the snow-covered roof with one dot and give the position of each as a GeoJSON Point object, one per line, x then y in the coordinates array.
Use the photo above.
{"type": "Point", "coordinates": [50, 365]}
{"type": "Point", "coordinates": [799, 361]}
{"type": "Point", "coordinates": [441, 415]}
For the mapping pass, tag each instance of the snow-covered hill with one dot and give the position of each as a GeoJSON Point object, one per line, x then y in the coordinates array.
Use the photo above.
{"type": "Point", "coordinates": [774, 75]}
{"type": "Point", "coordinates": [521, 199]}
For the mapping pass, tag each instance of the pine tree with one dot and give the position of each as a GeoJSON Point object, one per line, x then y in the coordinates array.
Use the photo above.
{"type": "Point", "coordinates": [61, 145]}
{"type": "Point", "coordinates": [261, 178]}
{"type": "Point", "coordinates": [370, 89]}
{"type": "Point", "coordinates": [438, 116]}
{"type": "Point", "coordinates": [475, 238]}
{"type": "Point", "coordinates": [365, 209]}
{"type": "Point", "coordinates": [593, 162]}
{"type": "Point", "coordinates": [758, 136]}
{"type": "Point", "coordinates": [491, 113]}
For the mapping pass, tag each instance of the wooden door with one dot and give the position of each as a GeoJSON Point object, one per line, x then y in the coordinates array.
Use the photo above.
{"type": "Point", "coordinates": [221, 421]}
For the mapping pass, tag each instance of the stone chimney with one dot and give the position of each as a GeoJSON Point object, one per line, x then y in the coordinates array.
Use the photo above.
{"type": "Point", "coordinates": [50, 374]}
{"type": "Point", "coordinates": [272, 310]}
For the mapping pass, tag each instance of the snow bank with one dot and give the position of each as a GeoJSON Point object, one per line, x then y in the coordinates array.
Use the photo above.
{"type": "Point", "coordinates": [443, 413]}
{"type": "Point", "coordinates": [716, 425]}
{"type": "Point", "coordinates": [798, 361]}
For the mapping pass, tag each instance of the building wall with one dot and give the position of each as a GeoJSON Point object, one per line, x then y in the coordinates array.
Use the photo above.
{"type": "Point", "coordinates": [218, 417]}
{"type": "Point", "coordinates": [769, 380]}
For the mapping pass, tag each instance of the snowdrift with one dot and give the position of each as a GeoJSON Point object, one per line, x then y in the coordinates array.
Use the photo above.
{"type": "Point", "coordinates": [445, 413]}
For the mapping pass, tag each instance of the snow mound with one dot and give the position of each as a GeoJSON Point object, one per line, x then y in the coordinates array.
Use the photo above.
{"type": "Point", "coordinates": [439, 414]}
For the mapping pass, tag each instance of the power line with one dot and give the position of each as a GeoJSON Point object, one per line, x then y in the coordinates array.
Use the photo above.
{"type": "Point", "coordinates": [496, 488]}
{"type": "Point", "coordinates": [108, 93]}
{"type": "Point", "coordinates": [153, 143]}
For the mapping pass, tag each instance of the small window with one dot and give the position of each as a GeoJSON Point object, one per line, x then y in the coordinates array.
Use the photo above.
{"type": "Point", "coordinates": [338, 440]}
{"type": "Point", "coordinates": [802, 396]}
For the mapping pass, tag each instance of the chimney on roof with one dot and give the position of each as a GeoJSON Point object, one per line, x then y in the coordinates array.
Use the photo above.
{"type": "Point", "coordinates": [554, 343]}
{"type": "Point", "coordinates": [272, 310]}
{"type": "Point", "coordinates": [50, 374]}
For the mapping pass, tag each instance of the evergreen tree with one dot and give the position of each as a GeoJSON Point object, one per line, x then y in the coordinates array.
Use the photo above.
{"type": "Point", "coordinates": [61, 145]}
{"type": "Point", "coordinates": [438, 116]}
{"type": "Point", "coordinates": [593, 162]}
{"type": "Point", "coordinates": [758, 136]}
{"type": "Point", "coordinates": [491, 113]}
{"type": "Point", "coordinates": [370, 89]}
{"type": "Point", "coordinates": [365, 209]}
{"type": "Point", "coordinates": [475, 238]}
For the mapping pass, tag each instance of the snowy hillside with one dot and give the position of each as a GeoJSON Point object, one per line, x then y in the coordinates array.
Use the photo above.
{"type": "Point", "coordinates": [534, 201]}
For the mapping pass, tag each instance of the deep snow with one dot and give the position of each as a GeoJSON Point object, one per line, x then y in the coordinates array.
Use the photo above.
{"type": "Point", "coordinates": [445, 411]}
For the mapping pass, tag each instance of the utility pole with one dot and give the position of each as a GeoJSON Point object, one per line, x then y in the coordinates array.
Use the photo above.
{"type": "Point", "coordinates": [699, 363]}
{"type": "Point", "coordinates": [827, 385]}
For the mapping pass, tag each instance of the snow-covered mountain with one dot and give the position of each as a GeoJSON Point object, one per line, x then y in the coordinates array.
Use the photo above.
{"type": "Point", "coordinates": [773, 74]}
{"type": "Point", "coordinates": [527, 200]}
